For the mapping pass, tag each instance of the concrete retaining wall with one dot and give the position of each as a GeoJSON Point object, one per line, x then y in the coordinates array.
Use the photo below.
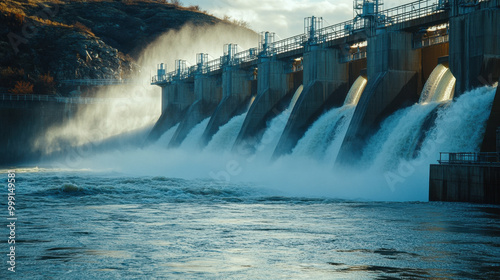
{"type": "Point", "coordinates": [464, 183]}
{"type": "Point", "coordinates": [22, 122]}
{"type": "Point", "coordinates": [475, 48]}
{"type": "Point", "coordinates": [491, 138]}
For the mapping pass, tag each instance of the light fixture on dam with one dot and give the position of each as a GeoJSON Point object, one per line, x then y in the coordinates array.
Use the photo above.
{"type": "Point", "coordinates": [438, 27]}
{"type": "Point", "coordinates": [362, 44]}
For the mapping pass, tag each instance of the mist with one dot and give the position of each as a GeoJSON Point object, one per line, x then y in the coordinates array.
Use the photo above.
{"type": "Point", "coordinates": [132, 108]}
{"type": "Point", "coordinates": [458, 128]}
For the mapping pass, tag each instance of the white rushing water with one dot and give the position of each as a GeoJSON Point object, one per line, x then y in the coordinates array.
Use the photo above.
{"type": "Point", "coordinates": [193, 138]}
{"type": "Point", "coordinates": [329, 126]}
{"type": "Point", "coordinates": [399, 135]}
{"type": "Point", "coordinates": [324, 138]}
{"type": "Point", "coordinates": [460, 126]}
{"type": "Point", "coordinates": [224, 139]}
{"type": "Point", "coordinates": [167, 136]}
{"type": "Point", "coordinates": [112, 226]}
{"type": "Point", "coordinates": [276, 127]}
{"type": "Point", "coordinates": [440, 85]}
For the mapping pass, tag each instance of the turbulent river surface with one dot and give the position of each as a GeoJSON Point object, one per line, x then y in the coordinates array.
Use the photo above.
{"type": "Point", "coordinates": [95, 225]}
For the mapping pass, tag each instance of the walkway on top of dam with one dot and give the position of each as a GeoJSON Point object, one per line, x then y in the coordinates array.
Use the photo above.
{"type": "Point", "coordinates": [411, 17]}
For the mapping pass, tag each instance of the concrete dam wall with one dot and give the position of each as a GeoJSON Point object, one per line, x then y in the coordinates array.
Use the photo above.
{"type": "Point", "coordinates": [416, 66]}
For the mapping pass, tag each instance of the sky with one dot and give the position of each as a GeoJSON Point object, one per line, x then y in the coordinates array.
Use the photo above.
{"type": "Point", "coordinates": [284, 17]}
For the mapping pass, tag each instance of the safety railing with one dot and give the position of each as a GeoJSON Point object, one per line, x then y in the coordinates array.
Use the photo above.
{"type": "Point", "coordinates": [409, 11]}
{"type": "Point", "coordinates": [168, 77]}
{"type": "Point", "coordinates": [289, 44]}
{"type": "Point", "coordinates": [353, 56]}
{"type": "Point", "coordinates": [99, 82]}
{"type": "Point", "coordinates": [340, 30]}
{"type": "Point", "coordinates": [245, 56]}
{"type": "Point", "coordinates": [52, 98]}
{"type": "Point", "coordinates": [430, 41]}
{"type": "Point", "coordinates": [386, 18]}
{"type": "Point", "coordinates": [469, 158]}
{"type": "Point", "coordinates": [25, 97]}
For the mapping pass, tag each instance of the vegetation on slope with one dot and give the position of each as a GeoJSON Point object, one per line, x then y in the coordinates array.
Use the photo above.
{"type": "Point", "coordinates": [45, 42]}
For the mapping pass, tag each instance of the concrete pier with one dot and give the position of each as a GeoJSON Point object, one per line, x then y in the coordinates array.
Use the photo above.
{"type": "Point", "coordinates": [24, 122]}
{"type": "Point", "coordinates": [490, 142]}
{"type": "Point", "coordinates": [275, 89]}
{"type": "Point", "coordinates": [208, 92]}
{"type": "Point", "coordinates": [176, 98]}
{"type": "Point", "coordinates": [403, 46]}
{"type": "Point", "coordinates": [393, 82]}
{"type": "Point", "coordinates": [465, 183]}
{"type": "Point", "coordinates": [325, 87]}
{"type": "Point", "coordinates": [237, 92]}
{"type": "Point", "coordinates": [475, 45]}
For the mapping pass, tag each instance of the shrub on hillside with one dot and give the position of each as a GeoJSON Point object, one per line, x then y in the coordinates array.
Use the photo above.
{"type": "Point", "coordinates": [45, 84]}
{"type": "Point", "coordinates": [22, 87]}
{"type": "Point", "coordinates": [80, 26]}
{"type": "Point", "coordinates": [9, 76]}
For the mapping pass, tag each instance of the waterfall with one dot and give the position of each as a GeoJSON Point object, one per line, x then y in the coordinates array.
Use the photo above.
{"type": "Point", "coordinates": [224, 139]}
{"type": "Point", "coordinates": [460, 127]}
{"type": "Point", "coordinates": [355, 91]}
{"type": "Point", "coordinates": [276, 126]}
{"type": "Point", "coordinates": [167, 136]}
{"type": "Point", "coordinates": [440, 85]}
{"type": "Point", "coordinates": [400, 133]}
{"type": "Point", "coordinates": [324, 138]}
{"type": "Point", "coordinates": [398, 136]}
{"type": "Point", "coordinates": [192, 140]}
{"type": "Point", "coordinates": [316, 139]}
{"type": "Point", "coordinates": [295, 97]}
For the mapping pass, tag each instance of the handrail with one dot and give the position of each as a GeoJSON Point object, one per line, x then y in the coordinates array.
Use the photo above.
{"type": "Point", "coordinates": [353, 56]}
{"type": "Point", "coordinates": [288, 44]}
{"type": "Point", "coordinates": [430, 41]}
{"type": "Point", "coordinates": [469, 158]}
{"type": "Point", "coordinates": [410, 11]}
{"type": "Point", "coordinates": [99, 82]}
{"type": "Point", "coordinates": [387, 18]}
{"type": "Point", "coordinates": [52, 98]}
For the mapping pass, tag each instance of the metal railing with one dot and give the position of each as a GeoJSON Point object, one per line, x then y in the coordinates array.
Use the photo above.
{"type": "Point", "coordinates": [340, 30]}
{"type": "Point", "coordinates": [386, 18]}
{"type": "Point", "coordinates": [469, 158]}
{"type": "Point", "coordinates": [245, 56]}
{"type": "Point", "coordinates": [213, 65]}
{"type": "Point", "coordinates": [25, 97]}
{"type": "Point", "coordinates": [288, 44]}
{"type": "Point", "coordinates": [51, 98]}
{"type": "Point", "coordinates": [409, 11]}
{"type": "Point", "coordinates": [430, 41]}
{"type": "Point", "coordinates": [100, 82]}
{"type": "Point", "coordinates": [353, 56]}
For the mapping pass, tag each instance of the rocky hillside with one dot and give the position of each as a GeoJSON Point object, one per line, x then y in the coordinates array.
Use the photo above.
{"type": "Point", "coordinates": [44, 42]}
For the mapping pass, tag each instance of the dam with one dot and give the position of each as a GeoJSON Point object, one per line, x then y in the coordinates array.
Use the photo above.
{"type": "Point", "coordinates": [367, 90]}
